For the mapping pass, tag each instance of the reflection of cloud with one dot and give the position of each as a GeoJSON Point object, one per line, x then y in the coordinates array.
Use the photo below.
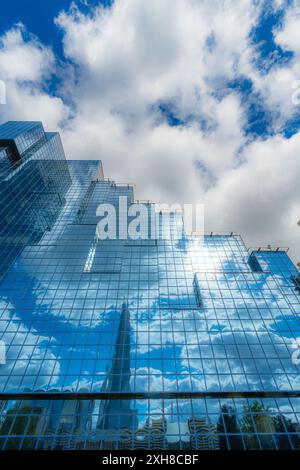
{"type": "Point", "coordinates": [243, 347]}
{"type": "Point", "coordinates": [28, 363]}
{"type": "Point", "coordinates": [236, 341]}
{"type": "Point", "coordinates": [86, 384]}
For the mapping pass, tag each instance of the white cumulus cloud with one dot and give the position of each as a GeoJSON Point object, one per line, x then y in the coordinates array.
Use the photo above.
{"type": "Point", "coordinates": [125, 64]}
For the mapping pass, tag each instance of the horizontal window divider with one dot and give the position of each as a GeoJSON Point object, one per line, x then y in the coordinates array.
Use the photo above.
{"type": "Point", "coordinates": [101, 272]}
{"type": "Point", "coordinates": [40, 244]}
{"type": "Point", "coordinates": [145, 396]}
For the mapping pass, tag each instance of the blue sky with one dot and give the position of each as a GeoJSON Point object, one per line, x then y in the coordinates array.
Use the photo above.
{"type": "Point", "coordinates": [193, 101]}
{"type": "Point", "coordinates": [39, 19]}
{"type": "Point", "coordinates": [38, 16]}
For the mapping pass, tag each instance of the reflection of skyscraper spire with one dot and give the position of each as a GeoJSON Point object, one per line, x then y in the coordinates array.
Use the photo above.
{"type": "Point", "coordinates": [118, 379]}
{"type": "Point", "coordinates": [114, 413]}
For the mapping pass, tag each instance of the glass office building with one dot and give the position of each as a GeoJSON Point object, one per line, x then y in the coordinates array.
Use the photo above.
{"type": "Point", "coordinates": [179, 342]}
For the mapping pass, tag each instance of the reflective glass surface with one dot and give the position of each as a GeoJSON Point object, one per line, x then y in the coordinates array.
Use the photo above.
{"type": "Point", "coordinates": [187, 424]}
{"type": "Point", "coordinates": [119, 320]}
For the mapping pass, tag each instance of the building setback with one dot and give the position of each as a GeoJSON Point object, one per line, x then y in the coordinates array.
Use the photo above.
{"type": "Point", "coordinates": [183, 342]}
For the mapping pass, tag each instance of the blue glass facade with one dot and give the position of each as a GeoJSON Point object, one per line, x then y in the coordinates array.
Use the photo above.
{"type": "Point", "coordinates": [34, 178]}
{"type": "Point", "coordinates": [176, 343]}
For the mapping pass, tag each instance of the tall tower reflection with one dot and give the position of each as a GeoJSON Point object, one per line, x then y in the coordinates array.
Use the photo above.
{"type": "Point", "coordinates": [115, 415]}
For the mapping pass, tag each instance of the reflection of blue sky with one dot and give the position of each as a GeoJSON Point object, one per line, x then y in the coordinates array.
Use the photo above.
{"type": "Point", "coordinates": [64, 322]}
{"type": "Point", "coordinates": [288, 327]}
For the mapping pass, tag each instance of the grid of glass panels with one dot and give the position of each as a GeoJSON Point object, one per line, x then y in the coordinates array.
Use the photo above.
{"type": "Point", "coordinates": [187, 424]}
{"type": "Point", "coordinates": [176, 315]}
{"type": "Point", "coordinates": [62, 305]}
{"type": "Point", "coordinates": [34, 179]}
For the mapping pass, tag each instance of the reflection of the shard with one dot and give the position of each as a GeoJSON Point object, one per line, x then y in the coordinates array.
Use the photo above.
{"type": "Point", "coordinates": [116, 415]}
